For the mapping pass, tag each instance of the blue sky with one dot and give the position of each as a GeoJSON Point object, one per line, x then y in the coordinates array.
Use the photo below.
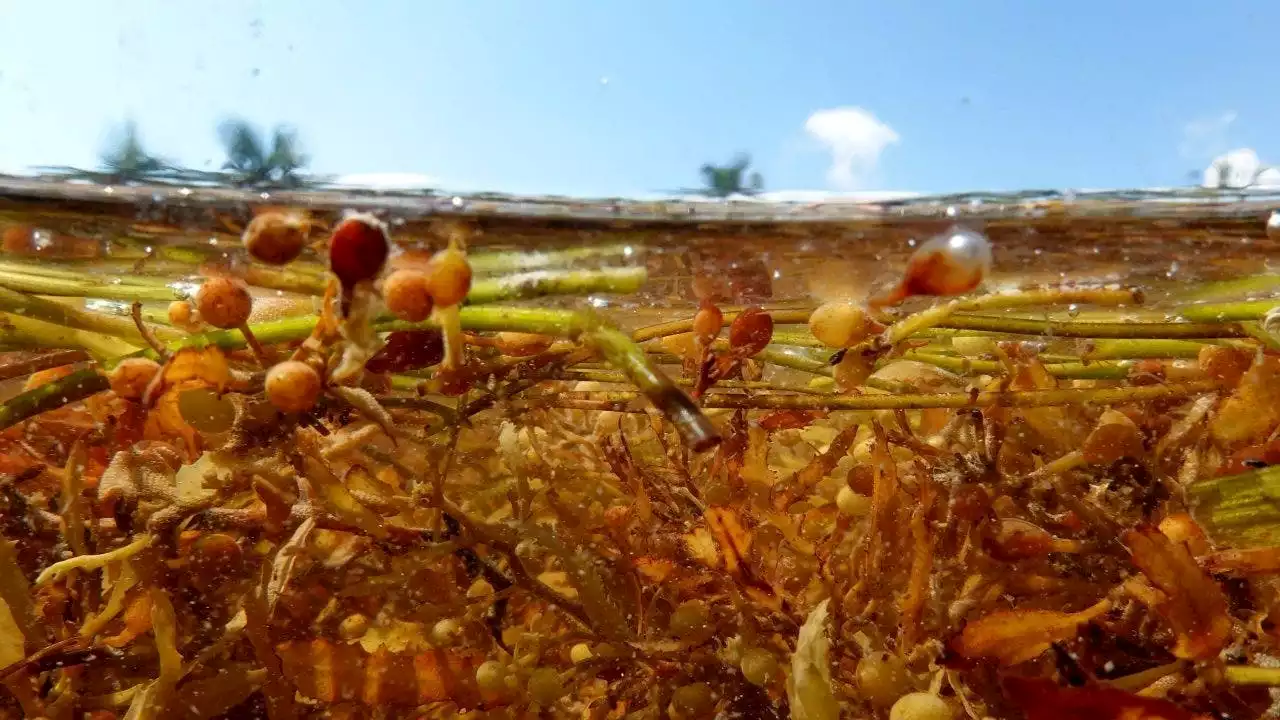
{"type": "Point", "coordinates": [603, 97]}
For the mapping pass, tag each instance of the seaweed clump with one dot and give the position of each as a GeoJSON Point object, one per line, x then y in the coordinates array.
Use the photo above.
{"type": "Point", "coordinates": [428, 500]}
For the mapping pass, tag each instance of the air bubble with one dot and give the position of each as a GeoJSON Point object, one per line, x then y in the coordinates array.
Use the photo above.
{"type": "Point", "coordinates": [265, 195]}
{"type": "Point", "coordinates": [1073, 310]}
{"type": "Point", "coordinates": [457, 202]}
{"type": "Point", "coordinates": [41, 239]}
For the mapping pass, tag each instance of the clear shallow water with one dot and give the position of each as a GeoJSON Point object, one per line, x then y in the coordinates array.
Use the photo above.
{"type": "Point", "coordinates": [748, 250]}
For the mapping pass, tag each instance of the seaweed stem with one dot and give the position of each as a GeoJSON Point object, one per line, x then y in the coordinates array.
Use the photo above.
{"type": "Point", "coordinates": [88, 287]}
{"type": "Point", "coordinates": [74, 387]}
{"type": "Point", "coordinates": [919, 401]}
{"type": "Point", "coordinates": [62, 313]}
{"type": "Point", "coordinates": [1251, 675]}
{"type": "Point", "coordinates": [1093, 329]}
{"type": "Point", "coordinates": [57, 358]}
{"type": "Point", "coordinates": [145, 332]}
{"type": "Point", "coordinates": [938, 314]}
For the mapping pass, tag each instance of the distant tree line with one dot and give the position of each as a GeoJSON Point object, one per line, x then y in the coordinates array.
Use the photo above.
{"type": "Point", "coordinates": [253, 160]}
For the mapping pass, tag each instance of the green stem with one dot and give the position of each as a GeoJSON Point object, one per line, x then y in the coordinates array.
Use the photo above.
{"type": "Point", "coordinates": [1228, 312]}
{"type": "Point", "coordinates": [155, 315]}
{"type": "Point", "coordinates": [796, 358]}
{"type": "Point", "coordinates": [1124, 349]}
{"type": "Point", "coordinates": [27, 332]}
{"type": "Point", "coordinates": [1259, 333]}
{"type": "Point", "coordinates": [283, 279]}
{"type": "Point", "coordinates": [545, 282]}
{"type": "Point", "coordinates": [1073, 370]}
{"type": "Point", "coordinates": [119, 271]}
{"type": "Point", "coordinates": [50, 396]}
{"type": "Point", "coordinates": [285, 330]}
{"type": "Point", "coordinates": [64, 314]}
{"type": "Point", "coordinates": [799, 338]}
{"type": "Point", "coordinates": [511, 261]}
{"type": "Point", "coordinates": [938, 314]}
{"type": "Point", "coordinates": [1239, 510]}
{"type": "Point", "coordinates": [1091, 329]}
{"type": "Point", "coordinates": [617, 348]}
{"type": "Point", "coordinates": [1226, 288]}
{"type": "Point", "coordinates": [87, 287]}
{"type": "Point", "coordinates": [123, 271]}
{"type": "Point", "coordinates": [512, 287]}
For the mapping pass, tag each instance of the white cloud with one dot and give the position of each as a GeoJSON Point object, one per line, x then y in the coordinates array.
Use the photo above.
{"type": "Point", "coordinates": [1269, 178]}
{"type": "Point", "coordinates": [1206, 137]}
{"type": "Point", "coordinates": [1240, 168]}
{"type": "Point", "coordinates": [855, 138]}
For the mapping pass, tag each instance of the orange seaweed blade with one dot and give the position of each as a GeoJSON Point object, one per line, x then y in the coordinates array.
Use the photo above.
{"type": "Point", "coordinates": [1043, 699]}
{"type": "Point", "coordinates": [1010, 637]}
{"type": "Point", "coordinates": [1194, 605]}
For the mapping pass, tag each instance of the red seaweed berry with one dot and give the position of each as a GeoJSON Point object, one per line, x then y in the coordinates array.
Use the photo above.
{"type": "Point", "coordinates": [750, 332]}
{"type": "Point", "coordinates": [358, 249]}
{"type": "Point", "coordinates": [707, 323]}
{"type": "Point", "coordinates": [277, 238]}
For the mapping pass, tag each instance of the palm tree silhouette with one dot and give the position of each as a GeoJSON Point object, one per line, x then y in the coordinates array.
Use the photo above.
{"type": "Point", "coordinates": [127, 161]}
{"type": "Point", "coordinates": [721, 181]}
{"type": "Point", "coordinates": [253, 164]}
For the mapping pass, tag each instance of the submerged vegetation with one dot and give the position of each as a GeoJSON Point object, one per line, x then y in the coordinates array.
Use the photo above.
{"type": "Point", "coordinates": [344, 470]}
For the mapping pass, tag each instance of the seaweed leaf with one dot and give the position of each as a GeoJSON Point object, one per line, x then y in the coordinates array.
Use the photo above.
{"type": "Point", "coordinates": [809, 687]}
